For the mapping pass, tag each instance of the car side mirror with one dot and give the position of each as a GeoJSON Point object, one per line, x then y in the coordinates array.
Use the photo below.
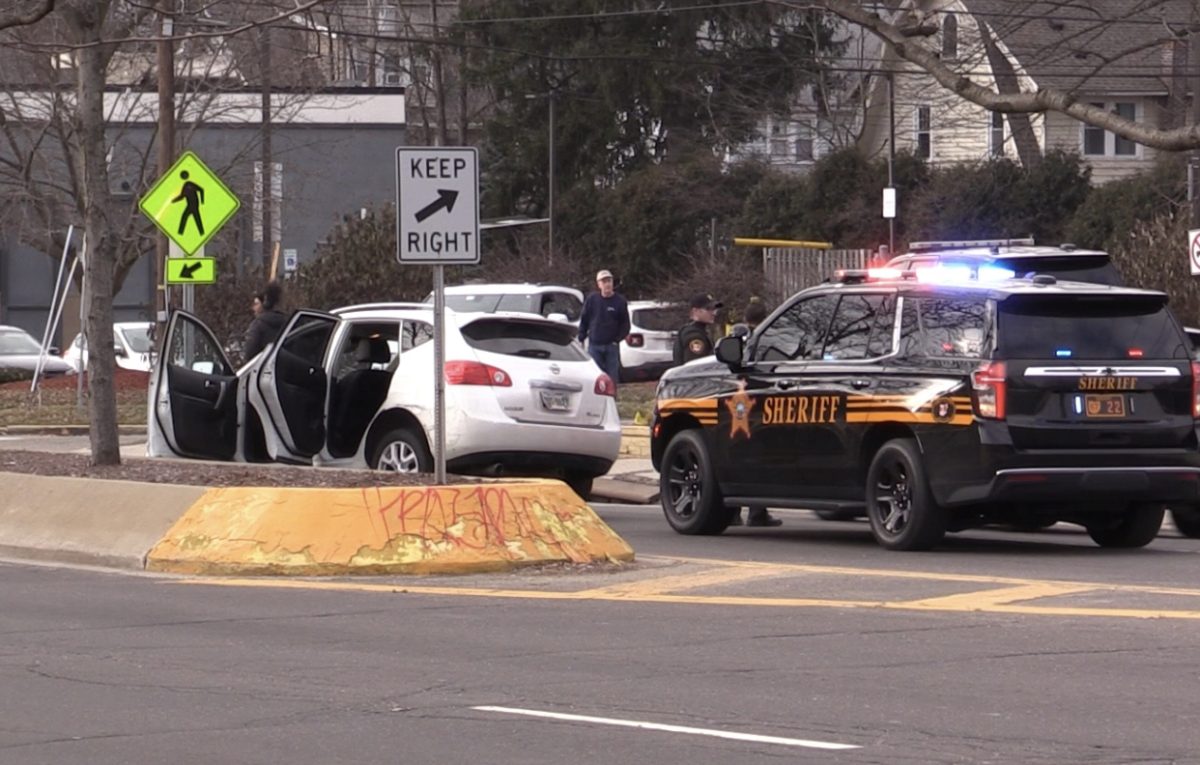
{"type": "Point", "coordinates": [55, 350]}
{"type": "Point", "coordinates": [119, 351]}
{"type": "Point", "coordinates": [730, 350]}
{"type": "Point", "coordinates": [558, 317]}
{"type": "Point", "coordinates": [204, 367]}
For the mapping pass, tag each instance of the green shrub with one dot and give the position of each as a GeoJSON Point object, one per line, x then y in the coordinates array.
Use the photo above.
{"type": "Point", "coordinates": [1112, 211]}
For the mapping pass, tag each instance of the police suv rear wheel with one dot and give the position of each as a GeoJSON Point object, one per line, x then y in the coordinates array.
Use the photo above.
{"type": "Point", "coordinates": [900, 506]}
{"type": "Point", "coordinates": [1137, 527]}
{"type": "Point", "coordinates": [688, 489]}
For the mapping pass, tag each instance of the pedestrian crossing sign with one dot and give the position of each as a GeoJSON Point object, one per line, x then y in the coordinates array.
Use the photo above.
{"type": "Point", "coordinates": [189, 203]}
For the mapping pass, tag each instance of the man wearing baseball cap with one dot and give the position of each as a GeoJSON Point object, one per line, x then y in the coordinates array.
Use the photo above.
{"type": "Point", "coordinates": [603, 324]}
{"type": "Point", "coordinates": [693, 340]}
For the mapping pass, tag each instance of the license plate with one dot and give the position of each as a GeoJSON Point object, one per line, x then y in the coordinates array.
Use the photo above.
{"type": "Point", "coordinates": [555, 401]}
{"type": "Point", "coordinates": [1107, 405]}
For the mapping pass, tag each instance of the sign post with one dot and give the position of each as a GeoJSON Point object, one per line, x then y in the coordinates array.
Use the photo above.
{"type": "Point", "coordinates": [1194, 251]}
{"type": "Point", "coordinates": [437, 223]}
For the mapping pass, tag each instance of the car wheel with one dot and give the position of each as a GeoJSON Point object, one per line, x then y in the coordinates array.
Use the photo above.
{"type": "Point", "coordinates": [1137, 527]}
{"type": "Point", "coordinates": [900, 506]}
{"type": "Point", "coordinates": [580, 483]}
{"type": "Point", "coordinates": [688, 488]}
{"type": "Point", "coordinates": [402, 451]}
{"type": "Point", "coordinates": [1187, 520]}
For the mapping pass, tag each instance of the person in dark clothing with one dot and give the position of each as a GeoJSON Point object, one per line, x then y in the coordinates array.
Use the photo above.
{"type": "Point", "coordinates": [267, 323]}
{"type": "Point", "coordinates": [693, 340]}
{"type": "Point", "coordinates": [752, 316]}
{"type": "Point", "coordinates": [604, 324]}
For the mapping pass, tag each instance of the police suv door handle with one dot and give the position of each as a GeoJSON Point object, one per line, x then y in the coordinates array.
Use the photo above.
{"type": "Point", "coordinates": [787, 384]}
{"type": "Point", "coordinates": [860, 383]}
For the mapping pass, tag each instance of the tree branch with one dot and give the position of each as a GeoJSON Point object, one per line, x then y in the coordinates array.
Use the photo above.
{"type": "Point", "coordinates": [39, 12]}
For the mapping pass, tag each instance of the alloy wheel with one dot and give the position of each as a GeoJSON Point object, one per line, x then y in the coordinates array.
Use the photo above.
{"type": "Point", "coordinates": [893, 497]}
{"type": "Point", "coordinates": [399, 457]}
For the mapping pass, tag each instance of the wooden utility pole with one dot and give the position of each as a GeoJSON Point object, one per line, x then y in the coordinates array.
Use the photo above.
{"type": "Point", "coordinates": [267, 194]}
{"type": "Point", "coordinates": [166, 142]}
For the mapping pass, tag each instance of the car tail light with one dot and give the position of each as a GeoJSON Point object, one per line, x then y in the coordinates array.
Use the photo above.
{"type": "Point", "coordinates": [1196, 389]}
{"type": "Point", "coordinates": [989, 384]}
{"type": "Point", "coordinates": [635, 340]}
{"type": "Point", "coordinates": [475, 373]}
{"type": "Point", "coordinates": [605, 386]}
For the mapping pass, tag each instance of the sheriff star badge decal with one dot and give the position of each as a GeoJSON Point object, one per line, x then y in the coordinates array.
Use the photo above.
{"type": "Point", "coordinates": [739, 406]}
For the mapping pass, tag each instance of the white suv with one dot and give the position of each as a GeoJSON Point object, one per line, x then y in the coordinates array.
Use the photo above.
{"type": "Point", "coordinates": [649, 348]}
{"type": "Point", "coordinates": [550, 300]}
{"type": "Point", "coordinates": [355, 389]}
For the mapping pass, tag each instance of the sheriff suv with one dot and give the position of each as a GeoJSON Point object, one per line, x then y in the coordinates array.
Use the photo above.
{"type": "Point", "coordinates": [933, 403]}
{"type": "Point", "coordinates": [1021, 256]}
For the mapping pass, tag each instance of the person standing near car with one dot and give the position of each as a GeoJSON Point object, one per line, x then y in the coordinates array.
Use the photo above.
{"type": "Point", "coordinates": [603, 324]}
{"type": "Point", "coordinates": [752, 316]}
{"type": "Point", "coordinates": [268, 321]}
{"type": "Point", "coordinates": [694, 340]}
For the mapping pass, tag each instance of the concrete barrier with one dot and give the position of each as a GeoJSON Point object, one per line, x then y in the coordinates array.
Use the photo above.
{"type": "Point", "coordinates": [293, 531]}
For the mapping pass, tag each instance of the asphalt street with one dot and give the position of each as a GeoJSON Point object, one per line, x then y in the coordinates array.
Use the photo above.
{"type": "Point", "coordinates": [806, 643]}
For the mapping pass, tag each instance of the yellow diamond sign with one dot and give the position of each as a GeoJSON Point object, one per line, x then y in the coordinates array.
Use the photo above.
{"type": "Point", "coordinates": [189, 203]}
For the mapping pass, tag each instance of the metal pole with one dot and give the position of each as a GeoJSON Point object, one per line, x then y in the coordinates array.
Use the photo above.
{"type": "Point", "coordinates": [56, 302]}
{"type": "Point", "coordinates": [550, 204]}
{"type": "Point", "coordinates": [892, 155]}
{"type": "Point", "coordinates": [82, 260]}
{"type": "Point", "coordinates": [267, 182]}
{"type": "Point", "coordinates": [439, 378]}
{"type": "Point", "coordinates": [1194, 62]}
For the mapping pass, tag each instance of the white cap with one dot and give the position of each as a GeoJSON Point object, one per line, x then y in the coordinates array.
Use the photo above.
{"type": "Point", "coordinates": [603, 273]}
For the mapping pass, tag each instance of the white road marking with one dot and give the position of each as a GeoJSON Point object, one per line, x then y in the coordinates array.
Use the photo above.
{"type": "Point", "coordinates": [751, 737]}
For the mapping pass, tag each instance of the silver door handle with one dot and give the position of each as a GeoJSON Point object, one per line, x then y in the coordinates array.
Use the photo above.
{"type": "Point", "coordinates": [860, 384]}
{"type": "Point", "coordinates": [786, 384]}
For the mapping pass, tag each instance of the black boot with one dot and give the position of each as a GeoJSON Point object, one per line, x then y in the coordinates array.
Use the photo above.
{"type": "Point", "coordinates": [759, 516]}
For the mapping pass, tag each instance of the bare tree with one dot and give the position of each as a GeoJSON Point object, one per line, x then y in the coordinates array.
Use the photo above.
{"type": "Point", "coordinates": [905, 32]}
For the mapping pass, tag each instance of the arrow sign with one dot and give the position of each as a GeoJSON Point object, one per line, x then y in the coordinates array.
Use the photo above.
{"type": "Point", "coordinates": [191, 270]}
{"type": "Point", "coordinates": [446, 199]}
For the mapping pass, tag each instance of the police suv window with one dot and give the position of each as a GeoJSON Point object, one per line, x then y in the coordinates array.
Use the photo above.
{"type": "Point", "coordinates": [944, 328]}
{"type": "Point", "coordinates": [861, 328]}
{"type": "Point", "coordinates": [797, 333]}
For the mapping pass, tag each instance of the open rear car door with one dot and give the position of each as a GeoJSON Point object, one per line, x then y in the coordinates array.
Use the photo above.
{"type": "Point", "coordinates": [193, 395]}
{"type": "Point", "coordinates": [290, 388]}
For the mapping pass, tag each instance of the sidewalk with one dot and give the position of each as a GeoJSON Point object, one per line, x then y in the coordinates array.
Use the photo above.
{"type": "Point", "coordinates": [632, 478]}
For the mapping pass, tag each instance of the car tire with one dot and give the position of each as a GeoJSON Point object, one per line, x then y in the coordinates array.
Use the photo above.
{"type": "Point", "coordinates": [1187, 520]}
{"type": "Point", "coordinates": [1137, 527]}
{"type": "Point", "coordinates": [900, 506]}
{"type": "Point", "coordinates": [402, 450]}
{"type": "Point", "coordinates": [580, 483]}
{"type": "Point", "coordinates": [691, 499]}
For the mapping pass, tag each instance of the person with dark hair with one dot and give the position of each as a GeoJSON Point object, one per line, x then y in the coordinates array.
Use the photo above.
{"type": "Point", "coordinates": [752, 316]}
{"type": "Point", "coordinates": [268, 321]}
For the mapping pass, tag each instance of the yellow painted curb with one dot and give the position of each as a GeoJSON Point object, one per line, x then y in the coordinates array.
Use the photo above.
{"type": "Point", "coordinates": [385, 530]}
{"type": "Point", "coordinates": [635, 441]}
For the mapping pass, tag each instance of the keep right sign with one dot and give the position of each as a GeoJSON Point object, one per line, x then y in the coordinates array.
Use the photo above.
{"type": "Point", "coordinates": [1194, 250]}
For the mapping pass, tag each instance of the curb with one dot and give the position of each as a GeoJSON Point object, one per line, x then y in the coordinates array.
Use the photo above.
{"type": "Point", "coordinates": [65, 430]}
{"type": "Point", "coordinates": [630, 492]}
{"type": "Point", "coordinates": [455, 529]}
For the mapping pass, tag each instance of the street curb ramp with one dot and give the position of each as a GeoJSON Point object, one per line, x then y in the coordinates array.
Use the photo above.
{"type": "Point", "coordinates": [455, 529]}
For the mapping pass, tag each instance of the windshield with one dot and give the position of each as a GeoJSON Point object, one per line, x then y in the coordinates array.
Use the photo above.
{"type": "Point", "coordinates": [1089, 327]}
{"type": "Point", "coordinates": [663, 319]}
{"type": "Point", "coordinates": [520, 303]}
{"type": "Point", "coordinates": [137, 338]}
{"type": "Point", "coordinates": [17, 344]}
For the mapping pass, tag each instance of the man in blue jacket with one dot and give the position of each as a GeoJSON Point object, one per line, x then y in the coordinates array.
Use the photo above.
{"type": "Point", "coordinates": [604, 324]}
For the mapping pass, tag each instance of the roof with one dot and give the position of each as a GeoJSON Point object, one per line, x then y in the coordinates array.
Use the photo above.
{"type": "Point", "coordinates": [508, 288]}
{"type": "Point", "coordinates": [1035, 251]}
{"type": "Point", "coordinates": [1099, 46]}
{"type": "Point", "coordinates": [999, 289]}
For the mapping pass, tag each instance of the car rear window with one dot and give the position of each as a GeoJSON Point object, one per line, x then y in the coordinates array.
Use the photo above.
{"type": "Point", "coordinates": [1097, 269]}
{"type": "Point", "coordinates": [662, 319]}
{"type": "Point", "coordinates": [532, 340]}
{"type": "Point", "coordinates": [18, 343]}
{"type": "Point", "coordinates": [1089, 327]}
{"type": "Point", "coordinates": [944, 327]}
{"type": "Point", "coordinates": [517, 303]}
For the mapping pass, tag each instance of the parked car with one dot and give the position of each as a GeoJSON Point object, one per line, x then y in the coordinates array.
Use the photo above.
{"type": "Point", "coordinates": [1020, 256]}
{"type": "Point", "coordinates": [131, 341]}
{"type": "Point", "coordinates": [647, 351]}
{"type": "Point", "coordinates": [19, 354]}
{"type": "Point", "coordinates": [553, 301]}
{"type": "Point", "coordinates": [354, 388]}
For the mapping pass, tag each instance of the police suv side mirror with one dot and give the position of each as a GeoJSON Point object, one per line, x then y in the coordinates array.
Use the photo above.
{"type": "Point", "coordinates": [730, 350]}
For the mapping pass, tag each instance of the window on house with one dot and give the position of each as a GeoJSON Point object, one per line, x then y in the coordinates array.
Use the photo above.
{"type": "Point", "coordinates": [950, 37]}
{"type": "Point", "coordinates": [804, 143]}
{"type": "Point", "coordinates": [996, 135]}
{"type": "Point", "coordinates": [1098, 142]}
{"type": "Point", "coordinates": [923, 138]}
{"type": "Point", "coordinates": [779, 142]}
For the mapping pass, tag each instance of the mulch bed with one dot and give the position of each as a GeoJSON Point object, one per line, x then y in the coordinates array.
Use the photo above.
{"type": "Point", "coordinates": [123, 379]}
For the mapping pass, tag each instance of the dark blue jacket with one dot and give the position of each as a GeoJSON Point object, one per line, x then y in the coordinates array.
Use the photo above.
{"type": "Point", "coordinates": [605, 319]}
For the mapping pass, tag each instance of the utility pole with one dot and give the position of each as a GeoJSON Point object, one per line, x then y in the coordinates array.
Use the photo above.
{"type": "Point", "coordinates": [1194, 159]}
{"type": "Point", "coordinates": [166, 145]}
{"type": "Point", "coordinates": [267, 185]}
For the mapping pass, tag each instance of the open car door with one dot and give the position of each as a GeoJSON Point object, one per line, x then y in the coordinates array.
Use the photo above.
{"type": "Point", "coordinates": [290, 388]}
{"type": "Point", "coordinates": [193, 395]}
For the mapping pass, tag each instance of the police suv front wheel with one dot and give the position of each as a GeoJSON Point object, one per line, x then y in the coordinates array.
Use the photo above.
{"type": "Point", "coordinates": [900, 506]}
{"type": "Point", "coordinates": [688, 487]}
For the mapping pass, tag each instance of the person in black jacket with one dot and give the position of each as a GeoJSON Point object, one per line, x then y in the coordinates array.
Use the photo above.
{"type": "Point", "coordinates": [267, 324]}
{"type": "Point", "coordinates": [604, 324]}
{"type": "Point", "coordinates": [752, 316]}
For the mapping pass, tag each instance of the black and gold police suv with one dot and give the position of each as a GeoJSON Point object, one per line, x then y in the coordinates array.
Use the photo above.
{"type": "Point", "coordinates": [939, 401]}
